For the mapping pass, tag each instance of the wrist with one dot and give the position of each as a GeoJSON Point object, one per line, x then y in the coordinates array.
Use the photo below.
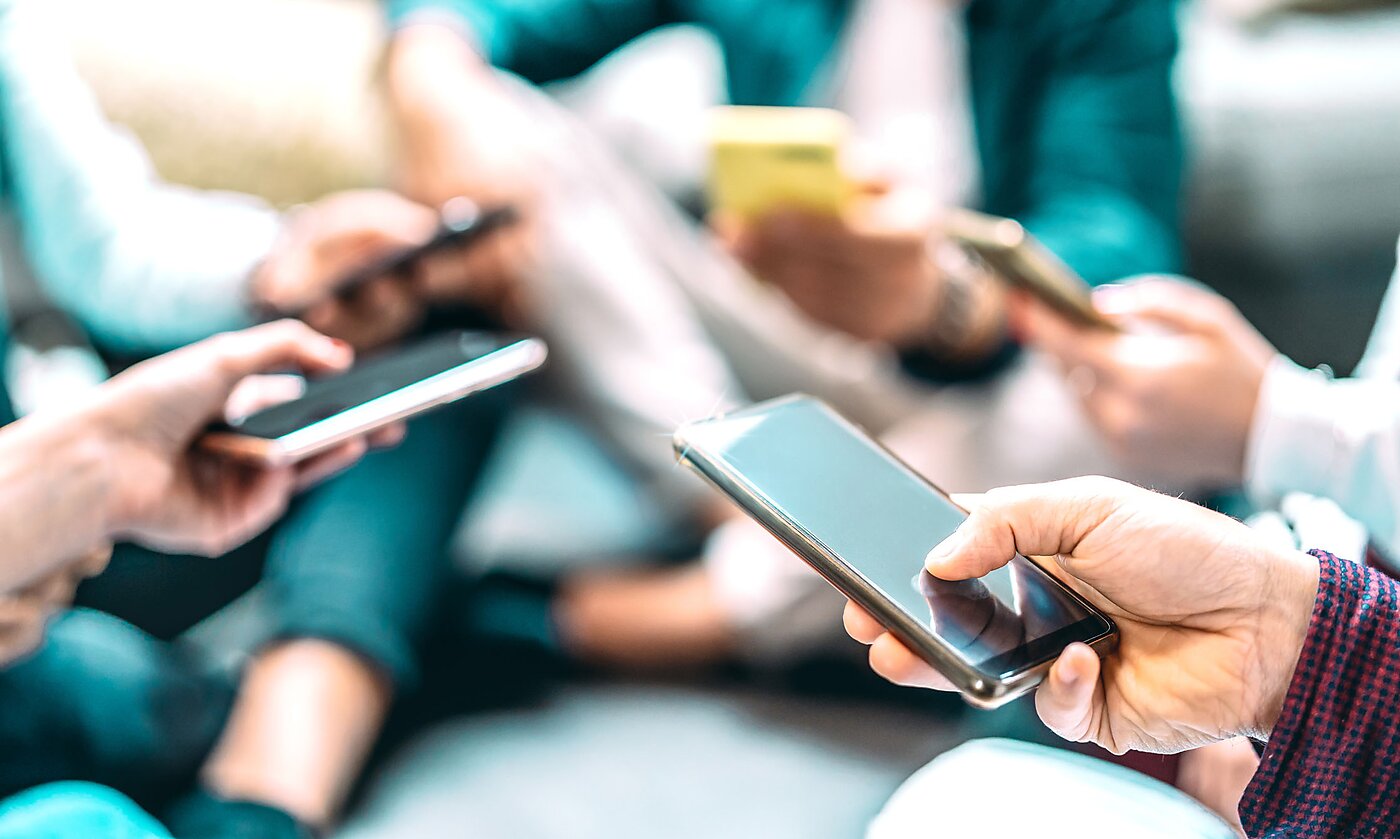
{"type": "Point", "coordinates": [967, 317]}
{"type": "Point", "coordinates": [80, 446]}
{"type": "Point", "coordinates": [1285, 615]}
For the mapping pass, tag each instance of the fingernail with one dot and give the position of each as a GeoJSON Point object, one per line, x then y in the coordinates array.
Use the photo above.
{"type": "Point", "coordinates": [1114, 298]}
{"type": "Point", "coordinates": [944, 550]}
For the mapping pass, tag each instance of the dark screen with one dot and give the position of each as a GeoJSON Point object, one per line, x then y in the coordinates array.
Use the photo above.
{"type": "Point", "coordinates": [370, 379]}
{"type": "Point", "coordinates": [881, 519]}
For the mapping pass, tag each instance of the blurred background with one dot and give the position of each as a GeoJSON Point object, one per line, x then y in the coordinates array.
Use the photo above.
{"type": "Point", "coordinates": [1294, 200]}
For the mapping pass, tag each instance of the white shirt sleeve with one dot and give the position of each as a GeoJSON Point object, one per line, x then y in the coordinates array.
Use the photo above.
{"type": "Point", "coordinates": [1339, 439]}
{"type": "Point", "coordinates": [144, 265]}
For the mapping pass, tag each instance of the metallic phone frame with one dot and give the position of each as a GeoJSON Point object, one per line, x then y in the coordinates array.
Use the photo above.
{"type": "Point", "coordinates": [1006, 248]}
{"type": "Point", "coordinates": [477, 374]}
{"type": "Point", "coordinates": [977, 688]}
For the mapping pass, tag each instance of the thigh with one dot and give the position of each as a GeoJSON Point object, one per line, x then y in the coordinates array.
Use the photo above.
{"type": "Point", "coordinates": [1008, 788]}
{"type": "Point", "coordinates": [361, 561]}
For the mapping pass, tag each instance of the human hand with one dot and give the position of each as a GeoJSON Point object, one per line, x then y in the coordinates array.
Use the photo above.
{"type": "Point", "coordinates": [1211, 619]}
{"type": "Point", "coordinates": [1174, 393]}
{"type": "Point", "coordinates": [461, 134]}
{"type": "Point", "coordinates": [173, 496]}
{"type": "Point", "coordinates": [867, 273]}
{"type": "Point", "coordinates": [323, 242]}
{"type": "Point", "coordinates": [25, 613]}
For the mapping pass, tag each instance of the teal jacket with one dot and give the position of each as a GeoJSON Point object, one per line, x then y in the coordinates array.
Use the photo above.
{"type": "Point", "coordinates": [1072, 102]}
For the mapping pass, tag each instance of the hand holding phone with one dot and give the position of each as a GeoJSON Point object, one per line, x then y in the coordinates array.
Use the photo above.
{"type": "Point", "coordinates": [462, 225]}
{"type": "Point", "coordinates": [1011, 253]}
{"type": "Point", "coordinates": [1211, 616]}
{"type": "Point", "coordinates": [865, 521]}
{"type": "Point", "coordinates": [376, 393]}
{"type": "Point", "coordinates": [355, 265]}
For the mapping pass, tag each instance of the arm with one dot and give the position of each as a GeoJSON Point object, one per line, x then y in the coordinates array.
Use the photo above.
{"type": "Point", "coordinates": [1326, 770]}
{"type": "Point", "coordinates": [1106, 157]}
{"type": "Point", "coordinates": [542, 40]}
{"type": "Point", "coordinates": [56, 493]}
{"type": "Point", "coordinates": [144, 265]}
{"type": "Point", "coordinates": [1339, 439]}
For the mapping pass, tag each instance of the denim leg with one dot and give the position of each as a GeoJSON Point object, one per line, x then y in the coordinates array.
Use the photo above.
{"type": "Point", "coordinates": [361, 561]}
{"type": "Point", "coordinates": [103, 702]}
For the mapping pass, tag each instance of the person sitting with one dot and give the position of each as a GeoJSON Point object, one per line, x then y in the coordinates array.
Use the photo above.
{"type": "Point", "coordinates": [1059, 114]}
{"type": "Point", "coordinates": [1194, 395]}
{"type": "Point", "coordinates": [123, 465]}
{"type": "Point", "coordinates": [1222, 633]}
{"type": "Point", "coordinates": [352, 575]}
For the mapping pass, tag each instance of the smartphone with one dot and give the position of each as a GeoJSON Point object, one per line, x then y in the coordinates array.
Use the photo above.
{"type": "Point", "coordinates": [396, 385]}
{"type": "Point", "coordinates": [766, 159]}
{"type": "Point", "coordinates": [1006, 249]}
{"type": "Point", "coordinates": [865, 521]}
{"type": "Point", "coordinates": [463, 224]}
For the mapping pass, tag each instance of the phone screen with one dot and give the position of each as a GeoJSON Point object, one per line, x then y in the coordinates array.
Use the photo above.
{"type": "Point", "coordinates": [881, 519]}
{"type": "Point", "coordinates": [371, 379]}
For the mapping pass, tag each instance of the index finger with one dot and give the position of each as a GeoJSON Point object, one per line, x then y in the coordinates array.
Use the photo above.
{"type": "Point", "coordinates": [272, 347]}
{"type": "Point", "coordinates": [1034, 520]}
{"type": "Point", "coordinates": [1045, 329]}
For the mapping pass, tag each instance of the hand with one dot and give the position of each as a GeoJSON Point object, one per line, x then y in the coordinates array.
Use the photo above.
{"type": "Point", "coordinates": [25, 613]}
{"type": "Point", "coordinates": [868, 274]}
{"type": "Point", "coordinates": [1175, 392]}
{"type": "Point", "coordinates": [175, 497]}
{"type": "Point", "coordinates": [461, 134]}
{"type": "Point", "coordinates": [321, 243]}
{"type": "Point", "coordinates": [1211, 620]}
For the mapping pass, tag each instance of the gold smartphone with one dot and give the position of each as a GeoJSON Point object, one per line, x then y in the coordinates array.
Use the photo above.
{"type": "Point", "coordinates": [1009, 251]}
{"type": "Point", "coordinates": [396, 385]}
{"type": "Point", "coordinates": [768, 159]}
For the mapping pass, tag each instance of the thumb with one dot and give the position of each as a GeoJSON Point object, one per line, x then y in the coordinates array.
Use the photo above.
{"type": "Point", "coordinates": [1033, 520]}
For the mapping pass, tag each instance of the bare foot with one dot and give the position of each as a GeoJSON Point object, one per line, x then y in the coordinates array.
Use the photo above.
{"type": "Point", "coordinates": [307, 713]}
{"type": "Point", "coordinates": [652, 620]}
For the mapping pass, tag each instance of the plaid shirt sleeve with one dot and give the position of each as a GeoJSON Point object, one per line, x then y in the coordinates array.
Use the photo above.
{"type": "Point", "coordinates": [1332, 765]}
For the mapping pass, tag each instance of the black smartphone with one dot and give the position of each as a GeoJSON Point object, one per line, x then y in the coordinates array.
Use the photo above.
{"type": "Point", "coordinates": [395, 385]}
{"type": "Point", "coordinates": [865, 521]}
{"type": "Point", "coordinates": [463, 224]}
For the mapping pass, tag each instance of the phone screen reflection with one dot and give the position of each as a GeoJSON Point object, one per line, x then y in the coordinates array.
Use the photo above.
{"type": "Point", "coordinates": [881, 519]}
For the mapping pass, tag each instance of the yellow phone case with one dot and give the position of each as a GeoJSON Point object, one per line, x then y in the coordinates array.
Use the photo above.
{"type": "Point", "coordinates": [767, 159]}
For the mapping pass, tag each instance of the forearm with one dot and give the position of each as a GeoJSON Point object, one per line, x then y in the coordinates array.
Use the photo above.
{"type": "Point", "coordinates": [541, 40]}
{"type": "Point", "coordinates": [1320, 774]}
{"type": "Point", "coordinates": [57, 489]}
{"type": "Point", "coordinates": [1339, 439]}
{"type": "Point", "coordinates": [442, 94]}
